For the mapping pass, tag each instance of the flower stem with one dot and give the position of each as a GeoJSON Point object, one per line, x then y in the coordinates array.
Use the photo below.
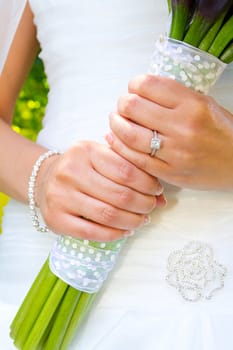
{"type": "Point", "coordinates": [48, 330]}
{"type": "Point", "coordinates": [62, 319]}
{"type": "Point", "coordinates": [45, 315]}
{"type": "Point", "coordinates": [223, 38]}
{"type": "Point", "coordinates": [210, 36]}
{"type": "Point", "coordinates": [227, 55]}
{"type": "Point", "coordinates": [32, 306]}
{"type": "Point", "coordinates": [197, 30]}
{"type": "Point", "coordinates": [169, 5]}
{"type": "Point", "coordinates": [28, 300]}
{"type": "Point", "coordinates": [79, 314]}
{"type": "Point", "coordinates": [179, 21]}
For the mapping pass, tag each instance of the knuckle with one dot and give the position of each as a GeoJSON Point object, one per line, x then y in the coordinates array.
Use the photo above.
{"type": "Point", "coordinates": [201, 108]}
{"type": "Point", "coordinates": [144, 81]}
{"type": "Point", "coordinates": [64, 169]}
{"type": "Point", "coordinates": [151, 80]}
{"type": "Point", "coordinates": [129, 135]}
{"type": "Point", "coordinates": [79, 148]}
{"type": "Point", "coordinates": [148, 81]}
{"type": "Point", "coordinates": [125, 196]}
{"type": "Point", "coordinates": [135, 82]}
{"type": "Point", "coordinates": [128, 104]}
{"type": "Point", "coordinates": [108, 215]}
{"type": "Point", "coordinates": [126, 171]}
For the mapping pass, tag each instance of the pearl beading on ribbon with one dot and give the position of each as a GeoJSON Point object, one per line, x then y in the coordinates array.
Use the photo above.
{"type": "Point", "coordinates": [188, 65]}
{"type": "Point", "coordinates": [194, 272]}
{"type": "Point", "coordinates": [83, 264]}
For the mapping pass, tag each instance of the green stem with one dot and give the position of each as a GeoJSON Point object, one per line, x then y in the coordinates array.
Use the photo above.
{"type": "Point", "coordinates": [62, 320]}
{"type": "Point", "coordinates": [179, 22]}
{"type": "Point", "coordinates": [169, 5]}
{"type": "Point", "coordinates": [32, 306]}
{"type": "Point", "coordinates": [45, 316]}
{"type": "Point", "coordinates": [211, 35]}
{"type": "Point", "coordinates": [227, 55]}
{"type": "Point", "coordinates": [28, 300]}
{"type": "Point", "coordinates": [223, 38]}
{"type": "Point", "coordinates": [78, 316]}
{"type": "Point", "coordinates": [48, 330]}
{"type": "Point", "coordinates": [197, 30]}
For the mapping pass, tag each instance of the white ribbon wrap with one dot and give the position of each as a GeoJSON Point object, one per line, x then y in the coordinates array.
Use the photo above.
{"type": "Point", "coordinates": [186, 64]}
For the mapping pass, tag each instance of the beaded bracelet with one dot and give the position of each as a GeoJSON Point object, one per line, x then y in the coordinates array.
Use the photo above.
{"type": "Point", "coordinates": [31, 191]}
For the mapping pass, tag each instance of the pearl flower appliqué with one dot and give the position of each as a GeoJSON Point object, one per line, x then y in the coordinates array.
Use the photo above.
{"type": "Point", "coordinates": [194, 272]}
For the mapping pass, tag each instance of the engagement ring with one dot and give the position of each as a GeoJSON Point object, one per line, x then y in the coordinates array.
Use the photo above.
{"type": "Point", "coordinates": [155, 144]}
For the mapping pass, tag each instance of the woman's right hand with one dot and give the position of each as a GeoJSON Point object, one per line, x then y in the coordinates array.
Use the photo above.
{"type": "Point", "coordinates": [90, 192]}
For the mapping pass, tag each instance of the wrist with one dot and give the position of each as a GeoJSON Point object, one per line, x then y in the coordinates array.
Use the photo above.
{"type": "Point", "coordinates": [44, 175]}
{"type": "Point", "coordinates": [34, 187]}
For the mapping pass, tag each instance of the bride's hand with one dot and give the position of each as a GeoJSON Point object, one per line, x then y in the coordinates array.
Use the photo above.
{"type": "Point", "coordinates": [196, 133]}
{"type": "Point", "coordinates": [90, 192]}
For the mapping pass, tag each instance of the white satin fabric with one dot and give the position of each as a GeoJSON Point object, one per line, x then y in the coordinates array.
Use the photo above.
{"type": "Point", "coordinates": [90, 50]}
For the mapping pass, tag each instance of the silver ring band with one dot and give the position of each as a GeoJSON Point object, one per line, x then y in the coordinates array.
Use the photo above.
{"type": "Point", "coordinates": [155, 144]}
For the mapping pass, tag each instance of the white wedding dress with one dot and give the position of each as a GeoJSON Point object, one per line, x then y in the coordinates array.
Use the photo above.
{"type": "Point", "coordinates": [90, 50]}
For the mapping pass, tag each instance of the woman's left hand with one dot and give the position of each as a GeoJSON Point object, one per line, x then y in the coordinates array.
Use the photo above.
{"type": "Point", "coordinates": [196, 133]}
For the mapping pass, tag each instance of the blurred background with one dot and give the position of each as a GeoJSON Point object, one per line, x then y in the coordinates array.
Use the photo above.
{"type": "Point", "coordinates": [29, 110]}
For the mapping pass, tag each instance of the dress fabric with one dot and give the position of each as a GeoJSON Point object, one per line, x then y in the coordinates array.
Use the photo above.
{"type": "Point", "coordinates": [90, 50]}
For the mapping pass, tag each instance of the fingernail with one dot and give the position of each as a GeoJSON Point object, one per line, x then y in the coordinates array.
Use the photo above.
{"type": "Point", "coordinates": [159, 190]}
{"type": "Point", "coordinates": [147, 219]}
{"type": "Point", "coordinates": [128, 234]}
{"type": "Point", "coordinates": [161, 201]}
{"type": "Point", "coordinates": [109, 138]}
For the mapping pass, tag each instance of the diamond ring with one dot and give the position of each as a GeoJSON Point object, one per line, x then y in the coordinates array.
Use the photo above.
{"type": "Point", "coordinates": [155, 144]}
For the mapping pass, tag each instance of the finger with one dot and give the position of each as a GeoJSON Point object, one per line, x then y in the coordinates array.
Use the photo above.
{"type": "Point", "coordinates": [139, 138]}
{"type": "Point", "coordinates": [162, 90]}
{"type": "Point", "coordinates": [117, 195]}
{"type": "Point", "coordinates": [85, 229]}
{"type": "Point", "coordinates": [133, 135]}
{"type": "Point", "coordinates": [146, 113]}
{"type": "Point", "coordinates": [152, 165]}
{"type": "Point", "coordinates": [119, 170]}
{"type": "Point", "coordinates": [107, 163]}
{"type": "Point", "coordinates": [161, 201]}
{"type": "Point", "coordinates": [102, 213]}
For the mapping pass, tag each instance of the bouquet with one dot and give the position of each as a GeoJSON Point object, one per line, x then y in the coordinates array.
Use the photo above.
{"type": "Point", "coordinates": [199, 44]}
{"type": "Point", "coordinates": [62, 293]}
{"type": "Point", "coordinates": [195, 52]}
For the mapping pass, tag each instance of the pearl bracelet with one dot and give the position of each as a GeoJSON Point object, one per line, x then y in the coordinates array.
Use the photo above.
{"type": "Point", "coordinates": [31, 191]}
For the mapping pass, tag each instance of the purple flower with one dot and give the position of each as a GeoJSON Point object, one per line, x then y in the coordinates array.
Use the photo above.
{"type": "Point", "coordinates": [211, 9]}
{"type": "Point", "coordinates": [206, 13]}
